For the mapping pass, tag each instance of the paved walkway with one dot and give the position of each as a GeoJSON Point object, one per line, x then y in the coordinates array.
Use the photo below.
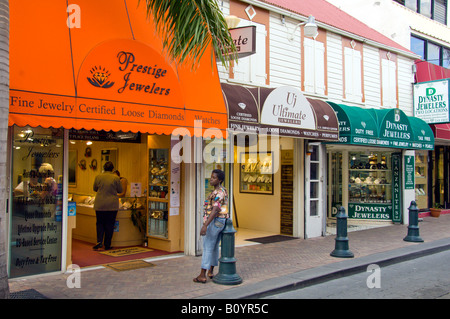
{"type": "Point", "coordinates": [262, 267]}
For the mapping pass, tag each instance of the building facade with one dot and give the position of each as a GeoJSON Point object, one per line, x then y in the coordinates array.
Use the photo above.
{"type": "Point", "coordinates": [355, 70]}
{"type": "Point", "coordinates": [423, 27]}
{"type": "Point", "coordinates": [301, 125]}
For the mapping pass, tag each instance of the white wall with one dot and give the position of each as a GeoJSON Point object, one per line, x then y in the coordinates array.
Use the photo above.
{"type": "Point", "coordinates": [397, 21]}
{"type": "Point", "coordinates": [285, 55]}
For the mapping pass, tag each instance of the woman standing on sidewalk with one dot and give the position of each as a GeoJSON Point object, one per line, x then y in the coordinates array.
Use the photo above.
{"type": "Point", "coordinates": [214, 216]}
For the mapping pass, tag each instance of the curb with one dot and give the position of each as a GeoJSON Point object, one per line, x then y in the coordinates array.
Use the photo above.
{"type": "Point", "coordinates": [328, 272]}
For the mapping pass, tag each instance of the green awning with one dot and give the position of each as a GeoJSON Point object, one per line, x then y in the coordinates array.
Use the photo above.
{"type": "Point", "coordinates": [423, 134]}
{"type": "Point", "coordinates": [382, 127]}
{"type": "Point", "coordinates": [356, 125]}
{"type": "Point", "coordinates": [395, 129]}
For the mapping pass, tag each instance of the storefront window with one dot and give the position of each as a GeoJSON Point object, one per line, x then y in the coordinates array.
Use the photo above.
{"type": "Point", "coordinates": [36, 209]}
{"type": "Point", "coordinates": [370, 177]}
{"type": "Point", "coordinates": [438, 176]}
{"type": "Point", "coordinates": [369, 185]}
{"type": "Point", "coordinates": [421, 188]}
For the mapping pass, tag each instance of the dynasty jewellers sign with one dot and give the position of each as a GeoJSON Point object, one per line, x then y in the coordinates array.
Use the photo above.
{"type": "Point", "coordinates": [370, 211]}
{"type": "Point", "coordinates": [431, 101]}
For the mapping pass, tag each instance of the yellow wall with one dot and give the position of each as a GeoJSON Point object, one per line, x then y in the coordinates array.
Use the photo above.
{"type": "Point", "coordinates": [131, 164]}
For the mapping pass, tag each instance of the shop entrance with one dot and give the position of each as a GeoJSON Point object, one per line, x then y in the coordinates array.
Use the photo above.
{"type": "Point", "coordinates": [148, 222]}
{"type": "Point", "coordinates": [263, 190]}
{"type": "Point", "coordinates": [314, 176]}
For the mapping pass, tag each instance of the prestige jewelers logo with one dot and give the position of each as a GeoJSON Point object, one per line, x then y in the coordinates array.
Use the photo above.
{"type": "Point", "coordinates": [99, 78]}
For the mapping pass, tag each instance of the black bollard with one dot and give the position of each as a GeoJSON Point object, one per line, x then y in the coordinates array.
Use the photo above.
{"type": "Point", "coordinates": [227, 263]}
{"type": "Point", "coordinates": [341, 242]}
{"type": "Point", "coordinates": [413, 227]}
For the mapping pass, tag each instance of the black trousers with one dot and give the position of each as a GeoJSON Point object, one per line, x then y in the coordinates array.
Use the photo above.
{"type": "Point", "coordinates": [105, 226]}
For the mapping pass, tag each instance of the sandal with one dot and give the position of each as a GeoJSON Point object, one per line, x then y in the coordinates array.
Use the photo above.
{"type": "Point", "coordinates": [210, 276]}
{"type": "Point", "coordinates": [199, 280]}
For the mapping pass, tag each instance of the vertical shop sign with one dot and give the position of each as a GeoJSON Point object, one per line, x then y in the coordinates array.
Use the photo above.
{"type": "Point", "coordinates": [287, 192]}
{"type": "Point", "coordinates": [174, 183]}
{"type": "Point", "coordinates": [396, 188]}
{"type": "Point", "coordinates": [409, 172]}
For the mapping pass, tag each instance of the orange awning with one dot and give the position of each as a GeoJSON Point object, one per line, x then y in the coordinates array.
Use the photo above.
{"type": "Point", "coordinates": [105, 72]}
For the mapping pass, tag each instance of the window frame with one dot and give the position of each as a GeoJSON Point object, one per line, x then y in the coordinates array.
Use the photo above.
{"type": "Point", "coordinates": [426, 43]}
{"type": "Point", "coordinates": [418, 9]}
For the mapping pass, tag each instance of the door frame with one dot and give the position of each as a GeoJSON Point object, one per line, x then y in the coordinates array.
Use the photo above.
{"type": "Point", "coordinates": [315, 225]}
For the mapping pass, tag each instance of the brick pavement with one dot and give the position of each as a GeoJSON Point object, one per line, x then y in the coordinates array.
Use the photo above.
{"type": "Point", "coordinates": [172, 278]}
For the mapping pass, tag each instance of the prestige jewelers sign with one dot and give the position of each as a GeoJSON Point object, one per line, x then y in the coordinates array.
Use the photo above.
{"type": "Point", "coordinates": [431, 101]}
{"type": "Point", "coordinates": [120, 82]}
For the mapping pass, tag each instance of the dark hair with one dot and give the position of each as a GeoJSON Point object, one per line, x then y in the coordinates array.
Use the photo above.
{"type": "Point", "coordinates": [220, 175]}
{"type": "Point", "coordinates": [108, 167]}
{"type": "Point", "coordinates": [117, 173]}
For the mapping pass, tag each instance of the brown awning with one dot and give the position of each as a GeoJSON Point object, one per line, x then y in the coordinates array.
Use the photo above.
{"type": "Point", "coordinates": [243, 109]}
{"type": "Point", "coordinates": [327, 122]}
{"type": "Point", "coordinates": [283, 111]}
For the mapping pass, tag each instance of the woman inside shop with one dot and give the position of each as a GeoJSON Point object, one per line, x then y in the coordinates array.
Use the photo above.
{"type": "Point", "coordinates": [123, 182]}
{"type": "Point", "coordinates": [107, 185]}
{"type": "Point", "coordinates": [215, 215]}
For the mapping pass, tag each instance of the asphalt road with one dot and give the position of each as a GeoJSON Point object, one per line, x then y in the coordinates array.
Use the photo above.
{"type": "Point", "coordinates": [426, 277]}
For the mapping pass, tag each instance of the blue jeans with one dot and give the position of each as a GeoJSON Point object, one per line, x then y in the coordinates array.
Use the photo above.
{"type": "Point", "coordinates": [211, 243]}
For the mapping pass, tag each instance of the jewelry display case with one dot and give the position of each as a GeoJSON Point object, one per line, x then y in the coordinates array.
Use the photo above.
{"type": "Point", "coordinates": [158, 194]}
{"type": "Point", "coordinates": [256, 173]}
{"type": "Point", "coordinates": [370, 179]}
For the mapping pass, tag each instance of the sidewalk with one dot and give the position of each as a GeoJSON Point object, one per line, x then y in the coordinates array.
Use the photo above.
{"type": "Point", "coordinates": [263, 268]}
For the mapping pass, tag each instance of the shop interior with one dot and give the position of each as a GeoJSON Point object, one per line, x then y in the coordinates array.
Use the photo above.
{"type": "Point", "coordinates": [263, 189]}
{"type": "Point", "coordinates": [144, 166]}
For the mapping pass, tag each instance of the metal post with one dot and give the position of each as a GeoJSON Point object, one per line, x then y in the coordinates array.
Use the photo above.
{"type": "Point", "coordinates": [413, 227]}
{"type": "Point", "coordinates": [227, 263]}
{"type": "Point", "coordinates": [341, 242]}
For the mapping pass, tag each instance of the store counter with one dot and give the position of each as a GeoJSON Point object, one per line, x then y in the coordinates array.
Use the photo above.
{"type": "Point", "coordinates": [125, 233]}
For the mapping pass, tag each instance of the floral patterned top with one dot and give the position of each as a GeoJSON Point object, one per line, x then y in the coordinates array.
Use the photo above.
{"type": "Point", "coordinates": [219, 198]}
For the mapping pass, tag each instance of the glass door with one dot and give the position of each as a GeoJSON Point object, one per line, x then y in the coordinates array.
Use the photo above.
{"type": "Point", "coordinates": [314, 177]}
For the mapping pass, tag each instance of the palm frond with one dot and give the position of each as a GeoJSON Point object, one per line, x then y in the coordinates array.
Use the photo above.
{"type": "Point", "coordinates": [188, 27]}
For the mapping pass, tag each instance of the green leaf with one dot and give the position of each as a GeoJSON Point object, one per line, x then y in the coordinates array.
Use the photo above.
{"type": "Point", "coordinates": [188, 27]}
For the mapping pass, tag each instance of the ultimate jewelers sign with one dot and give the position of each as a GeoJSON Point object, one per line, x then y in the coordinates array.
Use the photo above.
{"type": "Point", "coordinates": [431, 101]}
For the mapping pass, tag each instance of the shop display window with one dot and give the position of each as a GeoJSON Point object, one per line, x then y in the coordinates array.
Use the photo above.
{"type": "Point", "coordinates": [256, 173]}
{"type": "Point", "coordinates": [36, 207]}
{"type": "Point", "coordinates": [158, 195]}
{"type": "Point", "coordinates": [421, 179]}
{"type": "Point", "coordinates": [370, 177]}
